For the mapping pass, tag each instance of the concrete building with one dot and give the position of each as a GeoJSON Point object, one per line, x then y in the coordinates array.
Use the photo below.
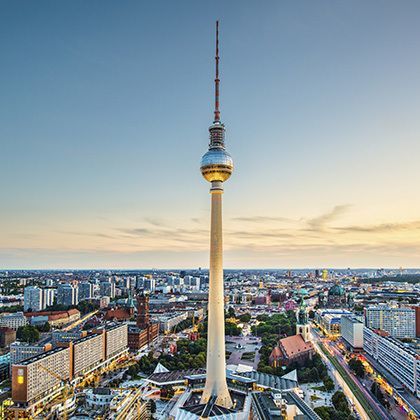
{"type": "Point", "coordinates": [56, 319]}
{"type": "Point", "coordinates": [398, 322]}
{"type": "Point", "coordinates": [85, 290]}
{"type": "Point", "coordinates": [31, 379]}
{"type": "Point", "coordinates": [33, 299]}
{"type": "Point", "coordinates": [329, 320]}
{"type": "Point", "coordinates": [169, 321]}
{"type": "Point", "coordinates": [87, 353]}
{"type": "Point", "coordinates": [7, 336]}
{"type": "Point", "coordinates": [67, 294]}
{"type": "Point", "coordinates": [22, 351]}
{"type": "Point", "coordinates": [116, 339]}
{"type": "Point", "coordinates": [352, 332]}
{"type": "Point", "coordinates": [14, 320]}
{"type": "Point", "coordinates": [37, 299]}
{"type": "Point", "coordinates": [107, 288]}
{"type": "Point", "coordinates": [400, 360]}
{"type": "Point", "coordinates": [149, 284]}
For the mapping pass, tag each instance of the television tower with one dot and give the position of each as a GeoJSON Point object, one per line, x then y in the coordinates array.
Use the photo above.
{"type": "Point", "coordinates": [216, 167]}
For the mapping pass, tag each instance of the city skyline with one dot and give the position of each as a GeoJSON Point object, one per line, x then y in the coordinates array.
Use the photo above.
{"type": "Point", "coordinates": [322, 108]}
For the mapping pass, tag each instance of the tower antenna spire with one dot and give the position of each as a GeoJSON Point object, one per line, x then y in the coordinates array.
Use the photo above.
{"type": "Point", "coordinates": [217, 80]}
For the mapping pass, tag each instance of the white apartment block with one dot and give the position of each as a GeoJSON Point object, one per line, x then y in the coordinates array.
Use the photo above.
{"type": "Point", "coordinates": [397, 358]}
{"type": "Point", "coordinates": [352, 331]}
{"type": "Point", "coordinates": [398, 322]}
{"type": "Point", "coordinates": [14, 321]}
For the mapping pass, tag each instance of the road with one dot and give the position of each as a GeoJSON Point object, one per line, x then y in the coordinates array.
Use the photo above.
{"type": "Point", "coordinates": [315, 338]}
{"type": "Point", "coordinates": [379, 408]}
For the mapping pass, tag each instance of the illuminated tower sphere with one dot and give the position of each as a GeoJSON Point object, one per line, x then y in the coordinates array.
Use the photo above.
{"type": "Point", "coordinates": [216, 167]}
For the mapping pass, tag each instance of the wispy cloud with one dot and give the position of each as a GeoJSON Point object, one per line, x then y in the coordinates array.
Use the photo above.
{"type": "Point", "coordinates": [261, 219]}
{"type": "Point", "coordinates": [381, 228]}
{"type": "Point", "coordinates": [319, 223]}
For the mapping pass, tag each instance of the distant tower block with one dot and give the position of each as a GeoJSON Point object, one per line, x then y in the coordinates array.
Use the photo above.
{"type": "Point", "coordinates": [216, 167]}
{"type": "Point", "coordinates": [143, 316]}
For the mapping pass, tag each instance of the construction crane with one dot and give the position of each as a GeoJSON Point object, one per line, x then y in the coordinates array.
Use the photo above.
{"type": "Point", "coordinates": [67, 389]}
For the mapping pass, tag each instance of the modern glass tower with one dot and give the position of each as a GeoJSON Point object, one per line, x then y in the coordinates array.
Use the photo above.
{"type": "Point", "coordinates": [216, 167]}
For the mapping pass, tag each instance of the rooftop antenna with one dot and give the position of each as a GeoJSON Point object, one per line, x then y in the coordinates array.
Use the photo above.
{"type": "Point", "coordinates": [217, 80]}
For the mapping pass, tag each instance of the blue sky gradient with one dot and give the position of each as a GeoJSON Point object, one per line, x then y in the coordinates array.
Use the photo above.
{"type": "Point", "coordinates": [104, 110]}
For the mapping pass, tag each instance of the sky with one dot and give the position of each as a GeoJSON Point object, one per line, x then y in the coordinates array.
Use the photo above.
{"type": "Point", "coordinates": [104, 115]}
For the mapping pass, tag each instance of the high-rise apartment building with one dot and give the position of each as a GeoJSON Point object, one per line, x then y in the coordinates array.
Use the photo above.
{"type": "Point", "coordinates": [37, 299]}
{"type": "Point", "coordinates": [398, 322]}
{"type": "Point", "coordinates": [85, 290]}
{"type": "Point", "coordinates": [67, 294]}
{"type": "Point", "coordinates": [33, 301]}
{"type": "Point", "coordinates": [149, 284]}
{"type": "Point", "coordinates": [107, 288]}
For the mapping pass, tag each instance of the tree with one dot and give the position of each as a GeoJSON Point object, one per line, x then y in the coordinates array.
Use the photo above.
{"type": "Point", "coordinates": [44, 328]}
{"type": "Point", "coordinates": [245, 317]}
{"type": "Point", "coordinates": [231, 313]}
{"type": "Point", "coordinates": [357, 367]}
{"type": "Point", "coordinates": [323, 412]}
{"type": "Point", "coordinates": [28, 333]}
{"type": "Point", "coordinates": [328, 384]}
{"type": "Point", "coordinates": [340, 403]}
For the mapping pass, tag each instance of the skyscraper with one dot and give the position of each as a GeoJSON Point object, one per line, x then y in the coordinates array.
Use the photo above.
{"type": "Point", "coordinates": [216, 167]}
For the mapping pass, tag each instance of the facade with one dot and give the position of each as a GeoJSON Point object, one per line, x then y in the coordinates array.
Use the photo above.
{"type": "Point", "coordinates": [85, 290]}
{"type": "Point", "coordinates": [33, 299]}
{"type": "Point", "coordinates": [63, 337]}
{"type": "Point", "coordinates": [116, 339]}
{"type": "Point", "coordinates": [169, 322]}
{"type": "Point", "coordinates": [398, 359]}
{"type": "Point", "coordinates": [87, 352]}
{"type": "Point", "coordinates": [22, 351]}
{"type": "Point", "coordinates": [36, 377]}
{"type": "Point", "coordinates": [352, 332]}
{"type": "Point", "coordinates": [143, 310]}
{"type": "Point", "coordinates": [31, 379]}
{"type": "Point", "coordinates": [107, 288]}
{"type": "Point", "coordinates": [7, 336]}
{"type": "Point", "coordinates": [56, 319]}
{"type": "Point", "coordinates": [67, 294]}
{"type": "Point", "coordinates": [13, 321]}
{"type": "Point", "coordinates": [138, 338]}
{"type": "Point", "coordinates": [398, 322]}
{"type": "Point", "coordinates": [329, 320]}
{"type": "Point", "coordinates": [149, 284]}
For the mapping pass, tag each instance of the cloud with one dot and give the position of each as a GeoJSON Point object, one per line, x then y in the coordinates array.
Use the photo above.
{"type": "Point", "coordinates": [320, 223]}
{"type": "Point", "coordinates": [381, 228]}
{"type": "Point", "coordinates": [261, 219]}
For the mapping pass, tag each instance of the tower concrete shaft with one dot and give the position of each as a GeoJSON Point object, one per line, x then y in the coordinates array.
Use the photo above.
{"type": "Point", "coordinates": [216, 385]}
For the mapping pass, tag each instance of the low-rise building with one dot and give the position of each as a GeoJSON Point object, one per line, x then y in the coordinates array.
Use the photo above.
{"type": "Point", "coordinates": [13, 320]}
{"type": "Point", "coordinates": [168, 322]}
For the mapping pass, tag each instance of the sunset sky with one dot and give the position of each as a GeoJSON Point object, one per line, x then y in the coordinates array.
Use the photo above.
{"type": "Point", "coordinates": [104, 112]}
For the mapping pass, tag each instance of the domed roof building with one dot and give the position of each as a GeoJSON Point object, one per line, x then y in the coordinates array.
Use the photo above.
{"type": "Point", "coordinates": [336, 297]}
{"type": "Point", "coordinates": [336, 290]}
